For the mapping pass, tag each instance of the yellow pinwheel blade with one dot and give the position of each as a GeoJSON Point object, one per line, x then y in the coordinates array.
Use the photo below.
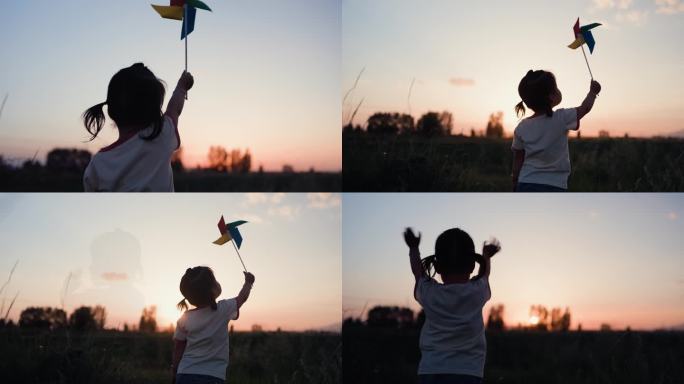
{"type": "Point", "coordinates": [577, 43]}
{"type": "Point", "coordinates": [223, 239]}
{"type": "Point", "coordinates": [169, 12]}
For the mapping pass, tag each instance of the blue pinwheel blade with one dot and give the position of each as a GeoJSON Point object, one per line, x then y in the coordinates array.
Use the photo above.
{"type": "Point", "coordinates": [190, 14]}
{"type": "Point", "coordinates": [235, 234]}
{"type": "Point", "coordinates": [589, 39]}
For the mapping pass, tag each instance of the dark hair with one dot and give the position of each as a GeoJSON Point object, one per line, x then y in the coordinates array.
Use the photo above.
{"type": "Point", "coordinates": [134, 96]}
{"type": "Point", "coordinates": [454, 253]}
{"type": "Point", "coordinates": [196, 286]}
{"type": "Point", "coordinates": [534, 90]}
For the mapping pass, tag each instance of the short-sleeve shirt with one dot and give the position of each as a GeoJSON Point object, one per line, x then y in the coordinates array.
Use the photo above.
{"type": "Point", "coordinates": [136, 164]}
{"type": "Point", "coordinates": [452, 340]}
{"type": "Point", "coordinates": [206, 333]}
{"type": "Point", "coordinates": [545, 142]}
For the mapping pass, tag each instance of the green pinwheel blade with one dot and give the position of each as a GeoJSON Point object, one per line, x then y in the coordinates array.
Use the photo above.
{"type": "Point", "coordinates": [588, 27]}
{"type": "Point", "coordinates": [198, 4]}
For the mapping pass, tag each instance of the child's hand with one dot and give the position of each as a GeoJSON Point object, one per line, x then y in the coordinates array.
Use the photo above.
{"type": "Point", "coordinates": [595, 87]}
{"type": "Point", "coordinates": [186, 81]}
{"type": "Point", "coordinates": [491, 249]}
{"type": "Point", "coordinates": [411, 240]}
{"type": "Point", "coordinates": [249, 278]}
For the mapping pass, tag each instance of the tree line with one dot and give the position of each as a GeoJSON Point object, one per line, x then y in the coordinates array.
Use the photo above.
{"type": "Point", "coordinates": [430, 124]}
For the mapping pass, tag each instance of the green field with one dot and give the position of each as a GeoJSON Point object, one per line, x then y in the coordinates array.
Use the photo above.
{"type": "Point", "coordinates": [458, 163]}
{"type": "Point", "coordinates": [373, 355]}
{"type": "Point", "coordinates": [130, 357]}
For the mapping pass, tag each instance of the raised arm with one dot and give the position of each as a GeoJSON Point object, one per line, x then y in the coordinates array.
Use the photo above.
{"type": "Point", "coordinates": [488, 250]}
{"type": "Point", "coordinates": [588, 102]}
{"type": "Point", "coordinates": [246, 289]}
{"type": "Point", "coordinates": [413, 242]}
{"type": "Point", "coordinates": [175, 107]}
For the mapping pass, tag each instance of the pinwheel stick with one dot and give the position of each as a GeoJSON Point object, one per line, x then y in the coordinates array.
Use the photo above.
{"type": "Point", "coordinates": [585, 60]}
{"type": "Point", "coordinates": [240, 257]}
{"type": "Point", "coordinates": [185, 22]}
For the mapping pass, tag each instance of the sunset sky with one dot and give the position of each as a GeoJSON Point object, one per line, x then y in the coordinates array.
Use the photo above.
{"type": "Point", "coordinates": [266, 75]}
{"type": "Point", "coordinates": [467, 57]}
{"type": "Point", "coordinates": [126, 252]}
{"type": "Point", "coordinates": [610, 258]}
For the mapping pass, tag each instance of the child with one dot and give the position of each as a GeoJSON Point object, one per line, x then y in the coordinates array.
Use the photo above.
{"type": "Point", "coordinates": [201, 338]}
{"type": "Point", "coordinates": [452, 341]}
{"type": "Point", "coordinates": [140, 160]}
{"type": "Point", "coordinates": [541, 162]}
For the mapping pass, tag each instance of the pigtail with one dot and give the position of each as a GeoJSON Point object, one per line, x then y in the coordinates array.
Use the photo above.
{"type": "Point", "coordinates": [520, 109]}
{"type": "Point", "coordinates": [428, 265]}
{"type": "Point", "coordinates": [182, 305]}
{"type": "Point", "coordinates": [94, 119]}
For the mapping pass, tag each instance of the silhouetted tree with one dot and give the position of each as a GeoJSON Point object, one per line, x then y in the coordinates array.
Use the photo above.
{"type": "Point", "coordinates": [605, 327]}
{"type": "Point", "coordinates": [87, 318]}
{"type": "Point", "coordinates": [560, 321]}
{"type": "Point", "coordinates": [148, 320]}
{"type": "Point", "coordinates": [287, 168]}
{"type": "Point", "coordinates": [218, 159]}
{"type": "Point", "coordinates": [68, 160]}
{"type": "Point", "coordinates": [222, 161]}
{"type": "Point", "coordinates": [390, 317]}
{"type": "Point", "coordinates": [257, 328]}
{"type": "Point", "coordinates": [384, 123]}
{"type": "Point", "coordinates": [435, 124]}
{"type": "Point", "coordinates": [495, 126]}
{"type": "Point", "coordinates": [42, 317]}
{"type": "Point", "coordinates": [604, 134]}
{"type": "Point", "coordinates": [495, 320]}
{"type": "Point", "coordinates": [542, 315]}
{"type": "Point", "coordinates": [240, 163]}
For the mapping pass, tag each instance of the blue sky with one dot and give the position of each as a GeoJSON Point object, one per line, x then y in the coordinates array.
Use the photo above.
{"type": "Point", "coordinates": [611, 258]}
{"type": "Point", "coordinates": [291, 244]}
{"type": "Point", "coordinates": [267, 75]}
{"type": "Point", "coordinates": [467, 57]}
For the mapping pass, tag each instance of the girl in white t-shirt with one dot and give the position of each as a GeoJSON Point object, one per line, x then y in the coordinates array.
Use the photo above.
{"type": "Point", "coordinates": [541, 161]}
{"type": "Point", "coordinates": [200, 354]}
{"type": "Point", "coordinates": [140, 160]}
{"type": "Point", "coordinates": [452, 340]}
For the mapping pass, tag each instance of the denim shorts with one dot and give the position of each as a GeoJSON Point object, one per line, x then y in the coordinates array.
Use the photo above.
{"type": "Point", "coordinates": [449, 379]}
{"type": "Point", "coordinates": [183, 378]}
{"type": "Point", "coordinates": [533, 187]}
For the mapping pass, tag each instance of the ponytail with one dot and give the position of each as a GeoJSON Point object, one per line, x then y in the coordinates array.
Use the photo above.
{"type": "Point", "coordinates": [520, 109]}
{"type": "Point", "coordinates": [428, 265]}
{"type": "Point", "coordinates": [94, 119]}
{"type": "Point", "coordinates": [182, 305]}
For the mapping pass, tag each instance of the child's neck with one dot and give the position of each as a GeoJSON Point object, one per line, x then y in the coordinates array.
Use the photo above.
{"type": "Point", "coordinates": [455, 278]}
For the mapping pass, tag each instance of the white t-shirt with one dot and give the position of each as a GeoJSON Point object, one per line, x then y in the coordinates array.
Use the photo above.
{"type": "Point", "coordinates": [545, 142]}
{"type": "Point", "coordinates": [206, 332]}
{"type": "Point", "coordinates": [135, 165]}
{"type": "Point", "coordinates": [452, 340]}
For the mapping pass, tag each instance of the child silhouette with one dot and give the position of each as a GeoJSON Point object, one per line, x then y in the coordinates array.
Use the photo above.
{"type": "Point", "coordinates": [541, 159]}
{"type": "Point", "coordinates": [140, 160]}
{"type": "Point", "coordinates": [452, 340]}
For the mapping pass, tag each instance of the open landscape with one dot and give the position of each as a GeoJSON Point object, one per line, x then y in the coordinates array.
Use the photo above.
{"type": "Point", "coordinates": [415, 163]}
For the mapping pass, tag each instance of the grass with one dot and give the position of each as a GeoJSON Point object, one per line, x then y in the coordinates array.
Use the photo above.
{"type": "Point", "coordinates": [458, 163]}
{"type": "Point", "coordinates": [129, 357]}
{"type": "Point", "coordinates": [392, 356]}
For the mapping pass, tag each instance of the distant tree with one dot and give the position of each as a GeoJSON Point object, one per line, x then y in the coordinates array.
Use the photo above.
{"type": "Point", "coordinates": [218, 159]}
{"type": "Point", "coordinates": [148, 320]}
{"type": "Point", "coordinates": [495, 126]}
{"type": "Point", "coordinates": [605, 327]}
{"type": "Point", "coordinates": [257, 328]}
{"type": "Point", "coordinates": [495, 320]}
{"type": "Point", "coordinates": [240, 163]}
{"type": "Point", "coordinates": [473, 133]}
{"type": "Point", "coordinates": [31, 165]}
{"type": "Point", "coordinates": [541, 314]}
{"type": "Point", "coordinates": [435, 124]}
{"type": "Point", "coordinates": [87, 318]}
{"type": "Point", "coordinates": [287, 168]}
{"type": "Point", "coordinates": [177, 160]}
{"type": "Point", "coordinates": [604, 134]}
{"type": "Point", "coordinates": [42, 317]}
{"type": "Point", "coordinates": [261, 168]}
{"type": "Point", "coordinates": [68, 160]}
{"type": "Point", "coordinates": [560, 321]}
{"type": "Point", "coordinates": [390, 317]}
{"type": "Point", "coordinates": [383, 123]}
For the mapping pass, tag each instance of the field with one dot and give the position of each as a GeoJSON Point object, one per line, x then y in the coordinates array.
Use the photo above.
{"type": "Point", "coordinates": [44, 180]}
{"type": "Point", "coordinates": [131, 357]}
{"type": "Point", "coordinates": [458, 163]}
{"type": "Point", "coordinates": [392, 356]}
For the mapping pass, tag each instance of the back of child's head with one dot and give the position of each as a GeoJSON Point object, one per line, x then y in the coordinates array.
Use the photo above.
{"type": "Point", "coordinates": [197, 286]}
{"type": "Point", "coordinates": [134, 98]}
{"type": "Point", "coordinates": [454, 253]}
{"type": "Point", "coordinates": [535, 90]}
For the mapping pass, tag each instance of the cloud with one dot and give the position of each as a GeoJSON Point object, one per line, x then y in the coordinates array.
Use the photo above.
{"type": "Point", "coordinates": [114, 276]}
{"type": "Point", "coordinates": [669, 7]}
{"type": "Point", "coordinates": [250, 217]}
{"type": "Point", "coordinates": [612, 4]}
{"type": "Point", "coordinates": [633, 17]}
{"type": "Point", "coordinates": [323, 200]}
{"type": "Point", "coordinates": [286, 211]}
{"type": "Point", "coordinates": [461, 82]}
{"type": "Point", "coordinates": [264, 198]}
